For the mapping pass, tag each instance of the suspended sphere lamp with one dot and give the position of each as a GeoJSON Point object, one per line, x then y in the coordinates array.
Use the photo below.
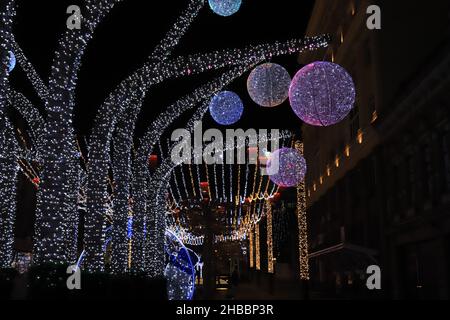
{"type": "Point", "coordinates": [286, 167]}
{"type": "Point", "coordinates": [225, 8]}
{"type": "Point", "coordinates": [268, 85]}
{"type": "Point", "coordinates": [226, 108]}
{"type": "Point", "coordinates": [322, 94]}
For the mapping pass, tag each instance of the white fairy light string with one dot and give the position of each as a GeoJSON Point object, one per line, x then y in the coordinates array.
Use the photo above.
{"type": "Point", "coordinates": [8, 144]}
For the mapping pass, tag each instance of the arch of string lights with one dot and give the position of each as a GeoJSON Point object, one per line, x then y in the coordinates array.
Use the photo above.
{"type": "Point", "coordinates": [63, 185]}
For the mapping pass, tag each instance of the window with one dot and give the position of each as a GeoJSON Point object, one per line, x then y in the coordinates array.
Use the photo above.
{"type": "Point", "coordinates": [354, 122]}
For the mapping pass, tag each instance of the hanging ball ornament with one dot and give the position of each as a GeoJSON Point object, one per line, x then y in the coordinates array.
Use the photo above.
{"type": "Point", "coordinates": [286, 167]}
{"type": "Point", "coordinates": [11, 61]}
{"type": "Point", "coordinates": [225, 8]}
{"type": "Point", "coordinates": [322, 94]}
{"type": "Point", "coordinates": [268, 85]}
{"type": "Point", "coordinates": [226, 108]}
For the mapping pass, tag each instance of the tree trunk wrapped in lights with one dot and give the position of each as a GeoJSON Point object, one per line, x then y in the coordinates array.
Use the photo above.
{"type": "Point", "coordinates": [8, 188]}
{"type": "Point", "coordinates": [8, 144]}
{"type": "Point", "coordinates": [57, 210]}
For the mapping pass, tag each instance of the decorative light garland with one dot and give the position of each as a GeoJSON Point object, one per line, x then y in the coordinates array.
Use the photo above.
{"type": "Point", "coordinates": [270, 268]}
{"type": "Point", "coordinates": [251, 248]}
{"type": "Point", "coordinates": [302, 225]}
{"type": "Point", "coordinates": [257, 248]}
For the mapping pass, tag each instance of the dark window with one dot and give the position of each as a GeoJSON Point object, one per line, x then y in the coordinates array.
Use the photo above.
{"type": "Point", "coordinates": [354, 122]}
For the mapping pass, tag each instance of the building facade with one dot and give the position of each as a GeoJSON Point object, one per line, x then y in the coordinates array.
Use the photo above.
{"type": "Point", "coordinates": [379, 182]}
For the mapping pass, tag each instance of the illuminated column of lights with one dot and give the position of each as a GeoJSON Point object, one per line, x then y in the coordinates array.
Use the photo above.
{"type": "Point", "coordinates": [251, 248]}
{"type": "Point", "coordinates": [257, 248]}
{"type": "Point", "coordinates": [177, 187]}
{"type": "Point", "coordinates": [174, 198]}
{"type": "Point", "coordinates": [302, 225]}
{"type": "Point", "coordinates": [56, 219]}
{"type": "Point", "coordinates": [8, 178]}
{"type": "Point", "coordinates": [208, 181]}
{"type": "Point", "coordinates": [8, 143]}
{"type": "Point", "coordinates": [247, 173]}
{"type": "Point", "coordinates": [215, 180]}
{"type": "Point", "coordinates": [266, 191]}
{"type": "Point", "coordinates": [238, 194]}
{"type": "Point", "coordinates": [230, 167]}
{"type": "Point", "coordinates": [129, 95]}
{"type": "Point", "coordinates": [183, 179]}
{"type": "Point", "coordinates": [258, 193]}
{"type": "Point", "coordinates": [192, 181]}
{"type": "Point", "coordinates": [120, 241]}
{"type": "Point", "coordinates": [269, 238]}
{"type": "Point", "coordinates": [224, 196]}
{"type": "Point", "coordinates": [199, 180]}
{"type": "Point", "coordinates": [254, 183]}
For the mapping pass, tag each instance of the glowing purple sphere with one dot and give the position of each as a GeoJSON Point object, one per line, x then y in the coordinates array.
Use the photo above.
{"type": "Point", "coordinates": [286, 167]}
{"type": "Point", "coordinates": [322, 94]}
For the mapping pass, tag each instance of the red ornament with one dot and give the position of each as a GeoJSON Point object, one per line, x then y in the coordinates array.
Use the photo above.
{"type": "Point", "coordinates": [36, 180]}
{"type": "Point", "coordinates": [153, 161]}
{"type": "Point", "coordinates": [276, 197]}
{"type": "Point", "coordinates": [204, 185]}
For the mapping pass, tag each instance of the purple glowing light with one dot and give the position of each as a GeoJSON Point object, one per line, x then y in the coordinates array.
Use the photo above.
{"type": "Point", "coordinates": [286, 167]}
{"type": "Point", "coordinates": [322, 94]}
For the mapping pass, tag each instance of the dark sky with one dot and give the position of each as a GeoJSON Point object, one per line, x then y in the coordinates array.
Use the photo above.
{"type": "Point", "coordinates": [134, 27]}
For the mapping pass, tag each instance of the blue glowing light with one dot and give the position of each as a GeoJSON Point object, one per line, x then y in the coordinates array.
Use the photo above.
{"type": "Point", "coordinates": [11, 61]}
{"type": "Point", "coordinates": [225, 8]}
{"type": "Point", "coordinates": [226, 108]}
{"type": "Point", "coordinates": [130, 227]}
{"type": "Point", "coordinates": [180, 269]}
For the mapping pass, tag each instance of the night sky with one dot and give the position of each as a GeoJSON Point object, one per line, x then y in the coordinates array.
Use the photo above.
{"type": "Point", "coordinates": [128, 35]}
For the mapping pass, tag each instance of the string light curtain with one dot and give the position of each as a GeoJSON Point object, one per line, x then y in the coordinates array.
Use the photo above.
{"type": "Point", "coordinates": [251, 248]}
{"type": "Point", "coordinates": [257, 248]}
{"type": "Point", "coordinates": [270, 268]}
{"type": "Point", "coordinates": [302, 224]}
